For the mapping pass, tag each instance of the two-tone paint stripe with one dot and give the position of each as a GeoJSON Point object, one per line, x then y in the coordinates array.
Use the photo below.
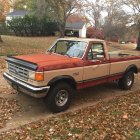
{"type": "Point", "coordinates": [100, 80]}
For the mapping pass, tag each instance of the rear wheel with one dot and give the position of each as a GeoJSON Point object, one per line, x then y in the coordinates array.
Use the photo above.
{"type": "Point", "coordinates": [127, 81]}
{"type": "Point", "coordinates": [59, 97]}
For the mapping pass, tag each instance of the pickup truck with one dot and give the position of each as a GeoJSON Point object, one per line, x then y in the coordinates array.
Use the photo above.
{"type": "Point", "coordinates": [69, 65]}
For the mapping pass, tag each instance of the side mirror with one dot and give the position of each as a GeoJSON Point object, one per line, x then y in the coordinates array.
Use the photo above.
{"type": "Point", "coordinates": [89, 56]}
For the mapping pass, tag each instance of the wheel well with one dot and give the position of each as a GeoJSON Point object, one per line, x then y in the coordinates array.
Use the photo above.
{"type": "Point", "coordinates": [133, 69]}
{"type": "Point", "coordinates": [69, 81]}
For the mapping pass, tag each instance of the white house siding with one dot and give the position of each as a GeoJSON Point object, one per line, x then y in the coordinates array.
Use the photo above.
{"type": "Point", "coordinates": [83, 31]}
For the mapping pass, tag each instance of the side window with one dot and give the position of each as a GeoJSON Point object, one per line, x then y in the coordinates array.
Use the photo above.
{"type": "Point", "coordinates": [96, 52]}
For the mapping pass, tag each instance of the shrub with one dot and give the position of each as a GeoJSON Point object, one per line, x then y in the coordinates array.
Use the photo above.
{"type": "Point", "coordinates": [31, 26]}
{"type": "Point", "coordinates": [3, 29]}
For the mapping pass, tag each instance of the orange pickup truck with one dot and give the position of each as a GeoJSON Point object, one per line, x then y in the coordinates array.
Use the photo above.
{"type": "Point", "coordinates": [70, 64]}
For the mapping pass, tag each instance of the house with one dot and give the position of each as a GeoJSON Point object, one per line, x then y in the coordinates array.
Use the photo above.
{"type": "Point", "coordinates": [15, 14]}
{"type": "Point", "coordinates": [76, 26]}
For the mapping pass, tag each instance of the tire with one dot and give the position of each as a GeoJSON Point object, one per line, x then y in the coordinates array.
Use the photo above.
{"type": "Point", "coordinates": [127, 81]}
{"type": "Point", "coordinates": [59, 97]}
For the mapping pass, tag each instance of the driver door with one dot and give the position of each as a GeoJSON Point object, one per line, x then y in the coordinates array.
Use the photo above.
{"type": "Point", "coordinates": [96, 67]}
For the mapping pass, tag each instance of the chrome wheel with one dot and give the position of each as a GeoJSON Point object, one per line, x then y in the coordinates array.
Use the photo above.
{"type": "Point", "coordinates": [129, 80]}
{"type": "Point", "coordinates": [61, 98]}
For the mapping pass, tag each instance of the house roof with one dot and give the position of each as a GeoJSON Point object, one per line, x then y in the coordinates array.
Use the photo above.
{"type": "Point", "coordinates": [77, 18]}
{"type": "Point", "coordinates": [76, 22]}
{"type": "Point", "coordinates": [75, 25]}
{"type": "Point", "coordinates": [18, 13]}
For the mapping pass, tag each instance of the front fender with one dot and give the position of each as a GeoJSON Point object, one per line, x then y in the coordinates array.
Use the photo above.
{"type": "Point", "coordinates": [65, 78]}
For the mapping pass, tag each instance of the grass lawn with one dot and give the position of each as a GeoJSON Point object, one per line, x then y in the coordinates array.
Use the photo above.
{"type": "Point", "coordinates": [114, 46]}
{"type": "Point", "coordinates": [24, 45]}
{"type": "Point", "coordinates": [13, 45]}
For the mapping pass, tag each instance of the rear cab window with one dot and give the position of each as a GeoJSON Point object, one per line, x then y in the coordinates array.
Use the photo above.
{"type": "Point", "coordinates": [96, 52]}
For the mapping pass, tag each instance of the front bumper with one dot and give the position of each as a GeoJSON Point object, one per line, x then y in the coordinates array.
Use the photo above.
{"type": "Point", "coordinates": [37, 92]}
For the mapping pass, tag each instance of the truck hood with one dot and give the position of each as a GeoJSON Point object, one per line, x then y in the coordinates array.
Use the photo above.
{"type": "Point", "coordinates": [51, 61]}
{"type": "Point", "coordinates": [39, 58]}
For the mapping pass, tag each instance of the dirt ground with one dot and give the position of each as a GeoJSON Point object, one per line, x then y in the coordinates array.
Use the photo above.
{"type": "Point", "coordinates": [32, 109]}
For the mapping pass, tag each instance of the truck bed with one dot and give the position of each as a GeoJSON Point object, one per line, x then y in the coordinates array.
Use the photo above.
{"type": "Point", "coordinates": [123, 55]}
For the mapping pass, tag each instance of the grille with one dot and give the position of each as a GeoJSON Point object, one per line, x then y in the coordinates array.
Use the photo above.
{"type": "Point", "coordinates": [18, 71]}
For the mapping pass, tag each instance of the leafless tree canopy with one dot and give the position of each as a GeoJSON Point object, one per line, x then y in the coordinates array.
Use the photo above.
{"type": "Point", "coordinates": [134, 5]}
{"type": "Point", "coordinates": [94, 10]}
{"type": "Point", "coordinates": [62, 9]}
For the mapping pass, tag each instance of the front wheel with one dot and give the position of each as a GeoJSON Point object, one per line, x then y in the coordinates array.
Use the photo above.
{"type": "Point", "coordinates": [127, 81]}
{"type": "Point", "coordinates": [59, 97]}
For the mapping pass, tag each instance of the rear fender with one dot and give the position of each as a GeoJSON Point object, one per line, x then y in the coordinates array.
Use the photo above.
{"type": "Point", "coordinates": [132, 68]}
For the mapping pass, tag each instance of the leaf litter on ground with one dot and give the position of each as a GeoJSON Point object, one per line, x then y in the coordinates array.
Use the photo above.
{"type": "Point", "coordinates": [7, 109]}
{"type": "Point", "coordinates": [117, 119]}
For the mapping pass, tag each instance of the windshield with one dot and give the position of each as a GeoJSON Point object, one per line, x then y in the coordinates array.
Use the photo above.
{"type": "Point", "coordinates": [69, 48]}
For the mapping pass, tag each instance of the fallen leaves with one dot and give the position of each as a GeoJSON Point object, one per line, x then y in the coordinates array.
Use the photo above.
{"type": "Point", "coordinates": [117, 119]}
{"type": "Point", "coordinates": [7, 109]}
{"type": "Point", "coordinates": [125, 116]}
{"type": "Point", "coordinates": [2, 63]}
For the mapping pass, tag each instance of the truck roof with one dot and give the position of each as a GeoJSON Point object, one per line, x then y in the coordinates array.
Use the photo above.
{"type": "Point", "coordinates": [82, 39]}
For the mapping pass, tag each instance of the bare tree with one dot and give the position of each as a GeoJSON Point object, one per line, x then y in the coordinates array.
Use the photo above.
{"type": "Point", "coordinates": [19, 4]}
{"type": "Point", "coordinates": [115, 20]}
{"type": "Point", "coordinates": [135, 7]}
{"type": "Point", "coordinates": [61, 10]}
{"type": "Point", "coordinates": [94, 10]}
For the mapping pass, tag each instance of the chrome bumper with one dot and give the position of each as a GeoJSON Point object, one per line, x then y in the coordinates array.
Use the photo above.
{"type": "Point", "coordinates": [37, 92]}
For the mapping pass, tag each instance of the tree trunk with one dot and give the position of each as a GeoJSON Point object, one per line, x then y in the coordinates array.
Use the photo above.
{"type": "Point", "coordinates": [138, 42]}
{"type": "Point", "coordinates": [62, 33]}
{"type": "Point", "coordinates": [62, 29]}
{"type": "Point", "coordinates": [0, 39]}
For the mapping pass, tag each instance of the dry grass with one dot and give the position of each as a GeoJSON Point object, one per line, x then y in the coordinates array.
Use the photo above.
{"type": "Point", "coordinates": [13, 45]}
{"type": "Point", "coordinates": [24, 45]}
{"type": "Point", "coordinates": [116, 46]}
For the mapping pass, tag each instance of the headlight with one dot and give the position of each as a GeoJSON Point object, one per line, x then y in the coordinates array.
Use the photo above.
{"type": "Point", "coordinates": [37, 76]}
{"type": "Point", "coordinates": [32, 75]}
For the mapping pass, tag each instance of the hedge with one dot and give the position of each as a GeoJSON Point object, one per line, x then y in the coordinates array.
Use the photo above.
{"type": "Point", "coordinates": [31, 26]}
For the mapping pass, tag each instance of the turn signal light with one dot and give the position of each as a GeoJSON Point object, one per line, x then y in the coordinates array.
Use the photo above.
{"type": "Point", "coordinates": [39, 76]}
